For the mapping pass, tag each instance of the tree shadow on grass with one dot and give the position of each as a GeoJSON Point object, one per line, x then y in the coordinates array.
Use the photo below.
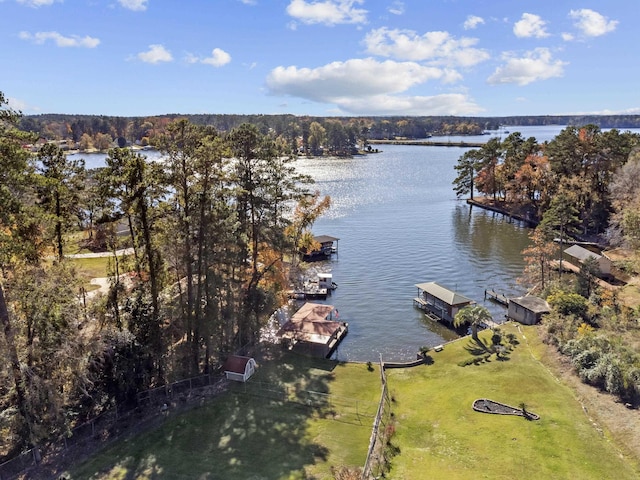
{"type": "Point", "coordinates": [477, 347]}
{"type": "Point", "coordinates": [238, 435]}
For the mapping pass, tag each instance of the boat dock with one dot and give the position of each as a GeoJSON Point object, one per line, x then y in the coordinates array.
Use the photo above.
{"type": "Point", "coordinates": [496, 297]}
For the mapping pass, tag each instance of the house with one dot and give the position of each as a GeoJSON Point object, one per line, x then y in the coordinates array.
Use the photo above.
{"type": "Point", "coordinates": [578, 255]}
{"type": "Point", "coordinates": [527, 310]}
{"type": "Point", "coordinates": [328, 246]}
{"type": "Point", "coordinates": [312, 330]}
{"type": "Point", "coordinates": [439, 300]}
{"type": "Point", "coordinates": [239, 368]}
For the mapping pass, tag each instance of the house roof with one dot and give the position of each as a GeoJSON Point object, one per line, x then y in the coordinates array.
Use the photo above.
{"type": "Point", "coordinates": [448, 296]}
{"type": "Point", "coordinates": [581, 253]}
{"type": "Point", "coordinates": [236, 364]}
{"type": "Point", "coordinates": [312, 312]}
{"type": "Point", "coordinates": [325, 239]}
{"type": "Point", "coordinates": [531, 303]}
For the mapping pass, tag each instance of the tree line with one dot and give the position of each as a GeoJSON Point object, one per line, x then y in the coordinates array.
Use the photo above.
{"type": "Point", "coordinates": [215, 229]}
{"type": "Point", "coordinates": [583, 184]}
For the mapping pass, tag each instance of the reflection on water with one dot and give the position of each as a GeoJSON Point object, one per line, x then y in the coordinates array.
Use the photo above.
{"type": "Point", "coordinates": [400, 224]}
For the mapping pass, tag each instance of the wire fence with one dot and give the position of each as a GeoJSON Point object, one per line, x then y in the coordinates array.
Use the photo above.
{"type": "Point", "coordinates": [377, 462]}
{"type": "Point", "coordinates": [152, 406]}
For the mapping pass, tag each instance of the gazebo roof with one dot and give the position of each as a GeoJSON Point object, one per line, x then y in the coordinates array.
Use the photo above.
{"type": "Point", "coordinates": [447, 296]}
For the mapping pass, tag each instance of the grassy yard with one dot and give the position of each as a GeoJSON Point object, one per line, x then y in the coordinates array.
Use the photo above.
{"type": "Point", "coordinates": [252, 433]}
{"type": "Point", "coordinates": [440, 436]}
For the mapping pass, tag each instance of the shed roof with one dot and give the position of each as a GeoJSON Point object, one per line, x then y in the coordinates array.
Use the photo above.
{"type": "Point", "coordinates": [581, 253]}
{"type": "Point", "coordinates": [236, 364]}
{"type": "Point", "coordinates": [531, 303]}
{"type": "Point", "coordinates": [448, 296]}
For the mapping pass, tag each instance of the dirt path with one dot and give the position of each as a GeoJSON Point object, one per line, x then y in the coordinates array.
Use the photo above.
{"type": "Point", "coordinates": [119, 253]}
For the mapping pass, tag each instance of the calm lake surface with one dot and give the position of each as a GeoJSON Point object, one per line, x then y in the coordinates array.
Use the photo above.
{"type": "Point", "coordinates": [399, 224]}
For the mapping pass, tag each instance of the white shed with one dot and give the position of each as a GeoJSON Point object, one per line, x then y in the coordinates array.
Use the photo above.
{"type": "Point", "coordinates": [239, 368]}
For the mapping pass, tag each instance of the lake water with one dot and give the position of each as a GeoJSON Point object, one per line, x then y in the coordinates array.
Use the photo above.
{"type": "Point", "coordinates": [399, 224]}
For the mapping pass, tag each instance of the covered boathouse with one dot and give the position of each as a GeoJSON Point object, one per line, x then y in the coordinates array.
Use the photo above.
{"type": "Point", "coordinates": [436, 299]}
{"type": "Point", "coordinates": [312, 330]}
{"type": "Point", "coordinates": [328, 246]}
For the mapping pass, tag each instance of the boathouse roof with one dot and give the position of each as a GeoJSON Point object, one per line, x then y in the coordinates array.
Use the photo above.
{"type": "Point", "coordinates": [312, 312]}
{"type": "Point", "coordinates": [325, 239]}
{"type": "Point", "coordinates": [448, 296]}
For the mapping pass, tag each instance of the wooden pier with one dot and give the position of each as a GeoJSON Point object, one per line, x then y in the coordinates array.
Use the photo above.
{"type": "Point", "coordinates": [496, 297]}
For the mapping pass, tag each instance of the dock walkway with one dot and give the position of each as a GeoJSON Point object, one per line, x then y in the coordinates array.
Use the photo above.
{"type": "Point", "coordinates": [496, 297]}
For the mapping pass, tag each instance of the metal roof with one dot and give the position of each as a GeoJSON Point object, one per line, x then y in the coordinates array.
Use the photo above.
{"type": "Point", "coordinates": [448, 296]}
{"type": "Point", "coordinates": [581, 253]}
{"type": "Point", "coordinates": [325, 239]}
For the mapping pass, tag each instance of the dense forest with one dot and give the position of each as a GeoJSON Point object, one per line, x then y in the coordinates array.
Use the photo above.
{"type": "Point", "coordinates": [93, 131]}
{"type": "Point", "coordinates": [215, 230]}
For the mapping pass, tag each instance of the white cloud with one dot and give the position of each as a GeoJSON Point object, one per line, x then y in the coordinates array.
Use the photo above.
{"type": "Point", "coordinates": [352, 78]}
{"type": "Point", "coordinates": [536, 65]}
{"type": "Point", "coordinates": [60, 40]}
{"type": "Point", "coordinates": [327, 12]}
{"type": "Point", "coordinates": [37, 3]}
{"type": "Point", "coordinates": [530, 25]}
{"type": "Point", "coordinates": [396, 8]}
{"type": "Point", "coordinates": [445, 104]}
{"type": "Point", "coordinates": [591, 23]}
{"type": "Point", "coordinates": [472, 22]}
{"type": "Point", "coordinates": [135, 5]}
{"type": "Point", "coordinates": [436, 47]}
{"type": "Point", "coordinates": [155, 54]}
{"type": "Point", "coordinates": [567, 37]}
{"type": "Point", "coordinates": [368, 85]}
{"type": "Point", "coordinates": [218, 58]}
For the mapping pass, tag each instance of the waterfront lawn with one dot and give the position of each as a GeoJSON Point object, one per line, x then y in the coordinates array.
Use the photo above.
{"type": "Point", "coordinates": [252, 433]}
{"type": "Point", "coordinates": [440, 436]}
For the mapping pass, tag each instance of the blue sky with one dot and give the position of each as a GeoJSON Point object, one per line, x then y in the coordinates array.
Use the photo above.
{"type": "Point", "coordinates": [321, 57]}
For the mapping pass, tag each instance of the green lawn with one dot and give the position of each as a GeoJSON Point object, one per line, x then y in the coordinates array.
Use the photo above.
{"type": "Point", "coordinates": [251, 433]}
{"type": "Point", "coordinates": [440, 436]}
{"type": "Point", "coordinates": [89, 268]}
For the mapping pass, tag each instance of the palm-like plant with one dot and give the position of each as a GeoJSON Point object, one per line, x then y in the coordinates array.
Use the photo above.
{"type": "Point", "coordinates": [474, 315]}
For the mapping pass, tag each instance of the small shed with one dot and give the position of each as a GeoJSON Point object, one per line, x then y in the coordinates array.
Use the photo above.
{"type": "Point", "coordinates": [239, 368]}
{"type": "Point", "coordinates": [578, 255]}
{"type": "Point", "coordinates": [439, 300]}
{"type": "Point", "coordinates": [527, 310]}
